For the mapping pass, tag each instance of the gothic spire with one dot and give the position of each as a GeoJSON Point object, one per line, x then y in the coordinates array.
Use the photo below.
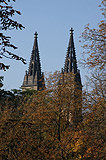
{"type": "Point", "coordinates": [71, 75]}
{"type": "Point", "coordinates": [34, 79]}
{"type": "Point", "coordinates": [71, 62]}
{"type": "Point", "coordinates": [35, 66]}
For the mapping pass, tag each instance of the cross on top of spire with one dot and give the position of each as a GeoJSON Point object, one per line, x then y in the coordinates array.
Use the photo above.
{"type": "Point", "coordinates": [71, 31]}
{"type": "Point", "coordinates": [36, 35]}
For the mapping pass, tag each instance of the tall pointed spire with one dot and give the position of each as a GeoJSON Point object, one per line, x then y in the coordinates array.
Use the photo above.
{"type": "Point", "coordinates": [34, 78]}
{"type": "Point", "coordinates": [35, 66]}
{"type": "Point", "coordinates": [71, 62]}
{"type": "Point", "coordinates": [71, 75]}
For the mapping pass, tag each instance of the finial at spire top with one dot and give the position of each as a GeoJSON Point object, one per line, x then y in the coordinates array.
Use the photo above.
{"type": "Point", "coordinates": [71, 31]}
{"type": "Point", "coordinates": [36, 35]}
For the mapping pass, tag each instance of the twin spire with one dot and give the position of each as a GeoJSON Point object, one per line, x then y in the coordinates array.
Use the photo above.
{"type": "Point", "coordinates": [34, 78]}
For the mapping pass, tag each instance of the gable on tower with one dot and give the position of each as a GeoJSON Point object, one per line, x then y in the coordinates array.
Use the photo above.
{"type": "Point", "coordinates": [34, 78]}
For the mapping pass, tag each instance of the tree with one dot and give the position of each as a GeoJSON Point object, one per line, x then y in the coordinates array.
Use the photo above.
{"type": "Point", "coordinates": [38, 126]}
{"type": "Point", "coordinates": [33, 125]}
{"type": "Point", "coordinates": [94, 124]}
{"type": "Point", "coordinates": [94, 57]}
{"type": "Point", "coordinates": [1, 83]}
{"type": "Point", "coordinates": [94, 43]}
{"type": "Point", "coordinates": [7, 23]}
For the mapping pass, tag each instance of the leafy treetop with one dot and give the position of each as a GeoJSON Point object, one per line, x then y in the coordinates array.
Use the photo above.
{"type": "Point", "coordinates": [7, 23]}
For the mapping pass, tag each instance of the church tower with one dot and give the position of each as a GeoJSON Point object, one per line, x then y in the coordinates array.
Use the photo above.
{"type": "Point", "coordinates": [71, 74]}
{"type": "Point", "coordinates": [71, 61]}
{"type": "Point", "coordinates": [34, 78]}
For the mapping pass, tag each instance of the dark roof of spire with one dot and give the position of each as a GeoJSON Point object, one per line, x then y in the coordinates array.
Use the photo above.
{"type": "Point", "coordinates": [34, 79]}
{"type": "Point", "coordinates": [35, 59]}
{"type": "Point", "coordinates": [71, 62]}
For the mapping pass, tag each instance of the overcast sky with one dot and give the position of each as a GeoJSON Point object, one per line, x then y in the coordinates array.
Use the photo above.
{"type": "Point", "coordinates": [52, 19]}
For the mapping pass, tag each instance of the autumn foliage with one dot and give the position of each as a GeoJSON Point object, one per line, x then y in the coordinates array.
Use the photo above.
{"type": "Point", "coordinates": [40, 125]}
{"type": "Point", "coordinates": [94, 43]}
{"type": "Point", "coordinates": [37, 126]}
{"type": "Point", "coordinates": [47, 124]}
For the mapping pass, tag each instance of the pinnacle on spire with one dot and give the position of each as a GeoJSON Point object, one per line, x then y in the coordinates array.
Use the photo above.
{"type": "Point", "coordinates": [36, 35]}
{"type": "Point", "coordinates": [71, 31]}
{"type": "Point", "coordinates": [35, 46]}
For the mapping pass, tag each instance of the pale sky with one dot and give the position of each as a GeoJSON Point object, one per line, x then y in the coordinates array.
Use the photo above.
{"type": "Point", "coordinates": [52, 19]}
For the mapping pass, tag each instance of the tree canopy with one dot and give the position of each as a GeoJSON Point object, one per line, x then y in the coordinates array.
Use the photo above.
{"type": "Point", "coordinates": [94, 43]}
{"type": "Point", "coordinates": [7, 12]}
